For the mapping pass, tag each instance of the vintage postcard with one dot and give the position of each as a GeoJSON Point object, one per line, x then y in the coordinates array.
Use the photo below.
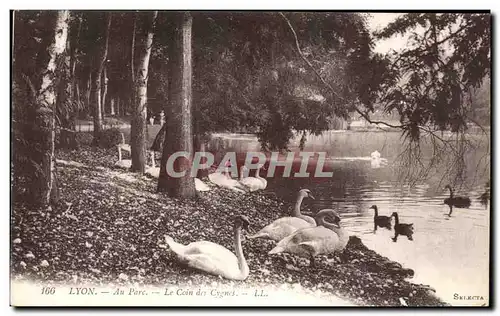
{"type": "Point", "coordinates": [250, 158]}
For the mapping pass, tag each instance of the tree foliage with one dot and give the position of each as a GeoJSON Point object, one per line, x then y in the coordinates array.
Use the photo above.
{"type": "Point", "coordinates": [249, 77]}
{"type": "Point", "coordinates": [440, 66]}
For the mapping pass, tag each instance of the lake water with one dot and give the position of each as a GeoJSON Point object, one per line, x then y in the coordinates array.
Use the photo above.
{"type": "Point", "coordinates": [449, 253]}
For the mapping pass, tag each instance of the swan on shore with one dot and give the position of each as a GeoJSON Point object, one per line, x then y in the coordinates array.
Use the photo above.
{"type": "Point", "coordinates": [214, 258]}
{"type": "Point", "coordinates": [252, 183]}
{"type": "Point", "coordinates": [123, 163]}
{"type": "Point", "coordinates": [153, 171]}
{"type": "Point", "coordinates": [326, 238]}
{"type": "Point", "coordinates": [224, 180]}
{"type": "Point", "coordinates": [284, 226]}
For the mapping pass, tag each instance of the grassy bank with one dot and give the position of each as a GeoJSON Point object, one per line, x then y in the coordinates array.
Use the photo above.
{"type": "Point", "coordinates": [110, 224]}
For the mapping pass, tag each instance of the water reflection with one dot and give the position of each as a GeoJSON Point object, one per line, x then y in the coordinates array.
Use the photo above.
{"type": "Point", "coordinates": [446, 251]}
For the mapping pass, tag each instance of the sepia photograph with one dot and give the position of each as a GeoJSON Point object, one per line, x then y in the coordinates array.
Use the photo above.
{"type": "Point", "coordinates": [250, 158]}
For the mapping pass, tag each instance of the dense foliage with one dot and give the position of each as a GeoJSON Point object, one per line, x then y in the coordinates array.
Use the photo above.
{"type": "Point", "coordinates": [249, 77]}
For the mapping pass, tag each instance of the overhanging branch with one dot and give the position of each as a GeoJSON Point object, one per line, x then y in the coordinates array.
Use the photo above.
{"type": "Point", "coordinates": [326, 84]}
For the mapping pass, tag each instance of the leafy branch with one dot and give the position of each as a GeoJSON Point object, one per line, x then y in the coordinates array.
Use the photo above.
{"type": "Point", "coordinates": [304, 58]}
{"type": "Point", "coordinates": [413, 165]}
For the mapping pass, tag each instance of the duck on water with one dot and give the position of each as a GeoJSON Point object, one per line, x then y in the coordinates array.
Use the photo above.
{"type": "Point", "coordinates": [456, 201]}
{"type": "Point", "coordinates": [381, 221]}
{"type": "Point", "coordinates": [485, 196]}
{"type": "Point", "coordinates": [401, 228]}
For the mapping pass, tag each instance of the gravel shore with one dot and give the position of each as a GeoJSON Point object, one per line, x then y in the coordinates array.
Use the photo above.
{"type": "Point", "coordinates": [109, 227]}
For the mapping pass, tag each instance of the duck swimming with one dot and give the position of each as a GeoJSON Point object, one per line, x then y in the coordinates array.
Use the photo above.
{"type": "Point", "coordinates": [456, 201]}
{"type": "Point", "coordinates": [380, 220]}
{"type": "Point", "coordinates": [485, 196]}
{"type": "Point", "coordinates": [401, 229]}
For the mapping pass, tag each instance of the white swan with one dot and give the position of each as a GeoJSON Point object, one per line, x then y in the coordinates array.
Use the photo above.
{"type": "Point", "coordinates": [223, 179]}
{"type": "Point", "coordinates": [326, 238]}
{"type": "Point", "coordinates": [257, 175]}
{"type": "Point", "coordinates": [200, 185]}
{"type": "Point", "coordinates": [285, 226]}
{"type": "Point", "coordinates": [123, 163]}
{"type": "Point", "coordinates": [252, 183]}
{"type": "Point", "coordinates": [153, 170]}
{"type": "Point", "coordinates": [213, 258]}
{"type": "Point", "coordinates": [376, 161]}
{"type": "Point", "coordinates": [217, 176]}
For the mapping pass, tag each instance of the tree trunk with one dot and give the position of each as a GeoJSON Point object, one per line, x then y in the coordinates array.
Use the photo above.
{"type": "Point", "coordinates": [159, 139]}
{"type": "Point", "coordinates": [132, 51]}
{"type": "Point", "coordinates": [118, 112]}
{"type": "Point", "coordinates": [105, 89]}
{"type": "Point", "coordinates": [100, 58]}
{"type": "Point", "coordinates": [75, 95]}
{"type": "Point", "coordinates": [112, 106]}
{"type": "Point", "coordinates": [44, 190]}
{"type": "Point", "coordinates": [88, 87]}
{"type": "Point", "coordinates": [122, 106]}
{"type": "Point", "coordinates": [138, 122]}
{"type": "Point", "coordinates": [65, 100]}
{"type": "Point", "coordinates": [131, 96]}
{"type": "Point", "coordinates": [178, 135]}
{"type": "Point", "coordinates": [96, 105]}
